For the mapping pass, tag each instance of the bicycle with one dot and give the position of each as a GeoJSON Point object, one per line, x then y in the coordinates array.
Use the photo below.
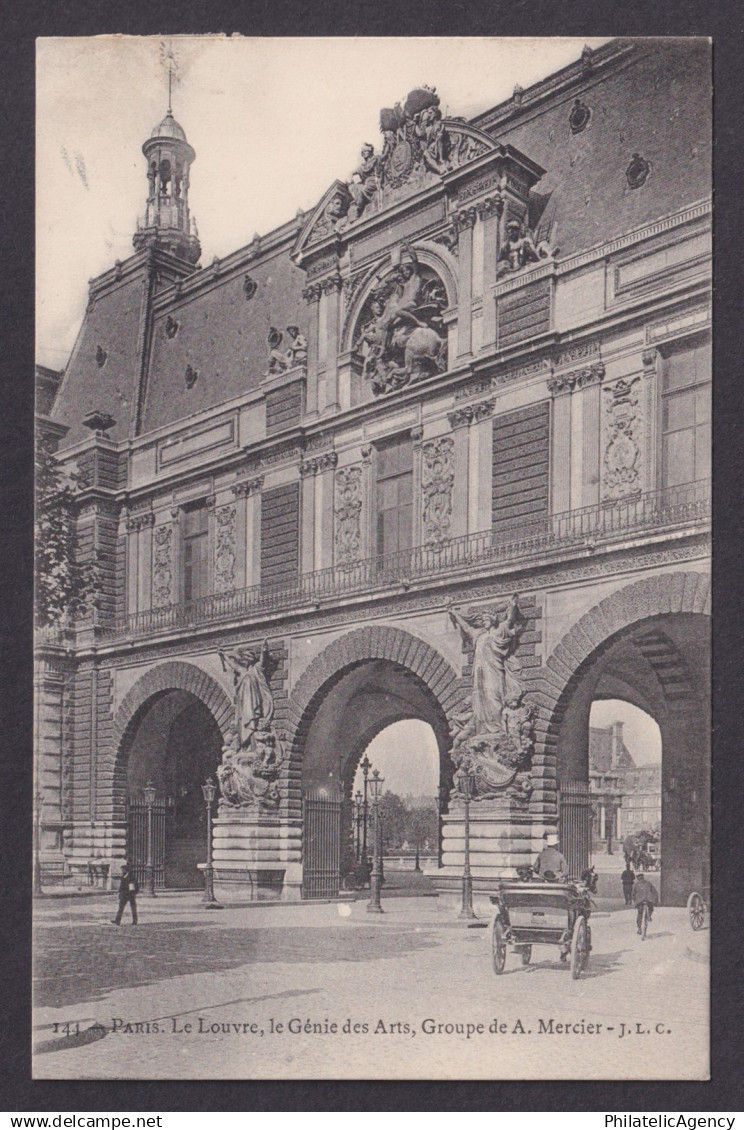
{"type": "Point", "coordinates": [645, 919]}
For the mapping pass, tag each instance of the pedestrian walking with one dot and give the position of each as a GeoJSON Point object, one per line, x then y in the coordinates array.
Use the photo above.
{"type": "Point", "coordinates": [128, 888]}
{"type": "Point", "coordinates": [627, 879]}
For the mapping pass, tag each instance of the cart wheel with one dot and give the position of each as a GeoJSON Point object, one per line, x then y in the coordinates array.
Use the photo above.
{"type": "Point", "coordinates": [498, 947]}
{"type": "Point", "coordinates": [579, 948]}
{"type": "Point", "coordinates": [526, 955]}
{"type": "Point", "coordinates": [696, 910]}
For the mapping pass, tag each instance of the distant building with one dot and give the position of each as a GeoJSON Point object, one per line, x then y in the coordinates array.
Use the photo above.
{"type": "Point", "coordinates": [628, 796]}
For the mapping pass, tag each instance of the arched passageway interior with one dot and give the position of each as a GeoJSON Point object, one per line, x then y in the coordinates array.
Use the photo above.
{"type": "Point", "coordinates": [376, 704]}
{"type": "Point", "coordinates": [174, 741]}
{"type": "Point", "coordinates": [661, 666]}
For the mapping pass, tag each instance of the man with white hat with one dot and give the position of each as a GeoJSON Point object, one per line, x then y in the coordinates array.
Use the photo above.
{"type": "Point", "coordinates": [551, 863]}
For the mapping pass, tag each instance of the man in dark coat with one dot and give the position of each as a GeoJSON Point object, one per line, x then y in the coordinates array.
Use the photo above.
{"type": "Point", "coordinates": [128, 888]}
{"type": "Point", "coordinates": [643, 891]}
{"type": "Point", "coordinates": [627, 879]}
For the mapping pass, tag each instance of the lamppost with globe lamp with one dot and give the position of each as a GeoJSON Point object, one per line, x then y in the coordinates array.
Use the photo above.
{"type": "Point", "coordinates": [466, 788]}
{"type": "Point", "coordinates": [365, 765]}
{"type": "Point", "coordinates": [149, 794]}
{"type": "Point", "coordinates": [209, 791]}
{"type": "Point", "coordinates": [375, 879]}
{"type": "Point", "coordinates": [358, 813]}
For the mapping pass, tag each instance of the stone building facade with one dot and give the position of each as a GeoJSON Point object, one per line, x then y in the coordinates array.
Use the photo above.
{"type": "Point", "coordinates": [479, 368]}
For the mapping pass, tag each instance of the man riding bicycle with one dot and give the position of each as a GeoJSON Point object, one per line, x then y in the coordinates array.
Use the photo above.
{"type": "Point", "coordinates": [644, 894]}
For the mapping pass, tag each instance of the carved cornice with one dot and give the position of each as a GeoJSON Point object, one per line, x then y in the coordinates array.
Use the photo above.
{"type": "Point", "coordinates": [491, 206]}
{"type": "Point", "coordinates": [332, 284]}
{"type": "Point", "coordinates": [318, 463]}
{"type": "Point", "coordinates": [563, 383]}
{"type": "Point", "coordinates": [577, 378]}
{"type": "Point", "coordinates": [463, 219]}
{"type": "Point", "coordinates": [248, 487]}
{"type": "Point", "coordinates": [140, 522]}
{"type": "Point", "coordinates": [471, 413]}
{"type": "Point", "coordinates": [312, 292]}
{"type": "Point", "coordinates": [592, 375]}
{"type": "Point", "coordinates": [573, 353]}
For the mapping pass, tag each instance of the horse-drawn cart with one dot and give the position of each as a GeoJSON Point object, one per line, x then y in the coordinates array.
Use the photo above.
{"type": "Point", "coordinates": [539, 913]}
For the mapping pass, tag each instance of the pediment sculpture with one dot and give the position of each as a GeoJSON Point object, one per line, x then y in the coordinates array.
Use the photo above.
{"type": "Point", "coordinates": [493, 731]}
{"type": "Point", "coordinates": [253, 756]}
{"type": "Point", "coordinates": [419, 146]}
{"type": "Point", "coordinates": [400, 332]}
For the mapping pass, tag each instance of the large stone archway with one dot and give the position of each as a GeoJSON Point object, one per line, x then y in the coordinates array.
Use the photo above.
{"type": "Point", "coordinates": [167, 677]}
{"type": "Point", "coordinates": [647, 644]}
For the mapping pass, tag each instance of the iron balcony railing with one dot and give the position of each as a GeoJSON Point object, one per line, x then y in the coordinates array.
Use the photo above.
{"type": "Point", "coordinates": [528, 539]}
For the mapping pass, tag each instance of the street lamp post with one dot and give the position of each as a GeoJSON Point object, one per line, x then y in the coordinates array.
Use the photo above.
{"type": "Point", "coordinates": [209, 791]}
{"type": "Point", "coordinates": [466, 788]}
{"type": "Point", "coordinates": [38, 802]}
{"type": "Point", "coordinates": [149, 795]}
{"type": "Point", "coordinates": [375, 879]}
{"type": "Point", "coordinates": [365, 767]}
{"type": "Point", "coordinates": [358, 825]}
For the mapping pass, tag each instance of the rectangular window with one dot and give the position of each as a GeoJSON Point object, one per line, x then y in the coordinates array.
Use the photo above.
{"type": "Point", "coordinates": [195, 551]}
{"type": "Point", "coordinates": [394, 495]}
{"type": "Point", "coordinates": [685, 415]}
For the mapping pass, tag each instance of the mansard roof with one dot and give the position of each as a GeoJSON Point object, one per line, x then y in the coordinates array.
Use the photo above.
{"type": "Point", "coordinates": [577, 134]}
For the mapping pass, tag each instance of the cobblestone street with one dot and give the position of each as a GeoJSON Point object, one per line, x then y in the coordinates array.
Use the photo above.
{"type": "Point", "coordinates": [327, 990]}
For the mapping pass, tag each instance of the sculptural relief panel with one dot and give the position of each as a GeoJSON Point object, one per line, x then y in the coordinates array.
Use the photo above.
{"type": "Point", "coordinates": [437, 481]}
{"type": "Point", "coordinates": [622, 460]}
{"type": "Point", "coordinates": [347, 512]}
{"type": "Point", "coordinates": [162, 567]}
{"type": "Point", "coordinates": [225, 549]}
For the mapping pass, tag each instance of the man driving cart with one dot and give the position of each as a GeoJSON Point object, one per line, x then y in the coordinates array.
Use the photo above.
{"type": "Point", "coordinates": [551, 864]}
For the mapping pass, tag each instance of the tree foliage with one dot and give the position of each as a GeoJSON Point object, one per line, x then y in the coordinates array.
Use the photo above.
{"type": "Point", "coordinates": [65, 585]}
{"type": "Point", "coordinates": [401, 824]}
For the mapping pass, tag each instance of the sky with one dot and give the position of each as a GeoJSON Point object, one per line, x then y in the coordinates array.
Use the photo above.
{"type": "Point", "coordinates": [641, 734]}
{"type": "Point", "coordinates": [273, 123]}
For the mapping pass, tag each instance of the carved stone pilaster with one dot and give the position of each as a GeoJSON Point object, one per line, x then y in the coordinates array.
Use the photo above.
{"type": "Point", "coordinates": [367, 454]}
{"type": "Point", "coordinates": [437, 481]}
{"type": "Point", "coordinates": [347, 512]}
{"type": "Point", "coordinates": [464, 219]}
{"type": "Point", "coordinates": [225, 548]}
{"type": "Point", "coordinates": [162, 567]}
{"type": "Point", "coordinates": [332, 284]}
{"type": "Point", "coordinates": [417, 434]}
{"type": "Point", "coordinates": [622, 461]}
{"type": "Point", "coordinates": [650, 357]}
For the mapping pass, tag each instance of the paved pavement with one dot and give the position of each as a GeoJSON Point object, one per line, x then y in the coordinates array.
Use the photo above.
{"type": "Point", "coordinates": [327, 990]}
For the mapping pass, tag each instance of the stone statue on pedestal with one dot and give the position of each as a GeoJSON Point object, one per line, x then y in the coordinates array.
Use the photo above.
{"type": "Point", "coordinates": [493, 730]}
{"type": "Point", "coordinates": [252, 758]}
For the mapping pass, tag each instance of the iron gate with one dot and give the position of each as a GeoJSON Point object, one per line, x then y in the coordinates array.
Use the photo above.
{"type": "Point", "coordinates": [137, 840]}
{"type": "Point", "coordinates": [321, 847]}
{"type": "Point", "coordinates": [575, 824]}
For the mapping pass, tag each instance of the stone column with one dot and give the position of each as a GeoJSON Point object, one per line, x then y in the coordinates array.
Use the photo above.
{"type": "Point", "coordinates": [560, 388]}
{"type": "Point", "coordinates": [240, 493]}
{"type": "Point", "coordinates": [369, 528]}
{"type": "Point", "coordinates": [482, 476]}
{"type": "Point", "coordinates": [458, 421]}
{"type": "Point", "coordinates": [651, 417]}
{"type": "Point", "coordinates": [326, 464]}
{"type": "Point", "coordinates": [133, 566]}
{"type": "Point", "coordinates": [464, 221]}
{"type": "Point", "coordinates": [417, 435]}
{"type": "Point", "coordinates": [145, 561]}
{"type": "Point", "coordinates": [253, 532]}
{"type": "Point", "coordinates": [308, 469]}
{"type": "Point", "coordinates": [490, 211]}
{"type": "Point", "coordinates": [588, 381]}
{"type": "Point", "coordinates": [331, 300]}
{"type": "Point", "coordinates": [311, 294]}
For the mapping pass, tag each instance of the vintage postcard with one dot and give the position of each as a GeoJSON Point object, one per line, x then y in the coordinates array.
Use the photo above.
{"type": "Point", "coordinates": [373, 553]}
